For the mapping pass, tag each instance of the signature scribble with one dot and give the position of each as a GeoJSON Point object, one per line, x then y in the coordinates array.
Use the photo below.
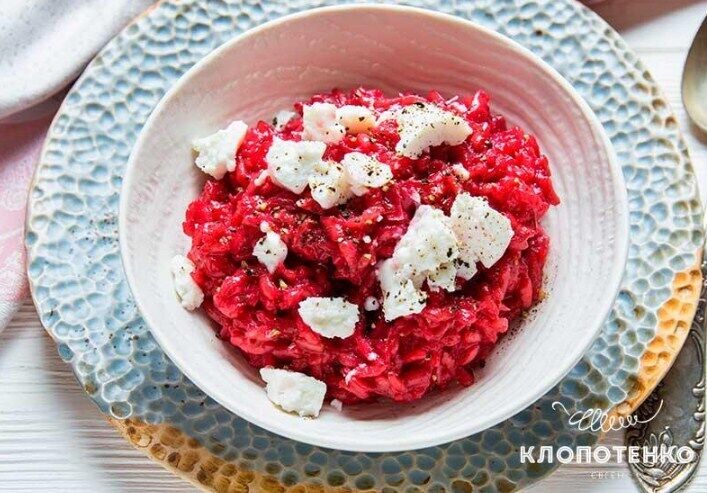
{"type": "Point", "coordinates": [595, 419]}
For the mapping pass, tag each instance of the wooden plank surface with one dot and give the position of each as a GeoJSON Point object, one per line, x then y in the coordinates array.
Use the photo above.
{"type": "Point", "coordinates": [52, 438]}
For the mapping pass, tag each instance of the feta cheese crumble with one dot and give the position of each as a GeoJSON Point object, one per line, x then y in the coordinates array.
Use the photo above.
{"type": "Point", "coordinates": [356, 119]}
{"type": "Point", "coordinates": [329, 317]}
{"type": "Point", "coordinates": [461, 172]}
{"type": "Point", "coordinates": [371, 304]}
{"type": "Point", "coordinates": [365, 172]}
{"type": "Point", "coordinates": [436, 248]}
{"type": "Point", "coordinates": [290, 163]}
{"type": "Point", "coordinates": [188, 291]}
{"type": "Point", "coordinates": [321, 123]}
{"type": "Point", "coordinates": [282, 118]}
{"type": "Point", "coordinates": [293, 391]}
{"type": "Point", "coordinates": [484, 233]}
{"type": "Point", "coordinates": [270, 250]}
{"type": "Point", "coordinates": [444, 277]}
{"type": "Point", "coordinates": [424, 125]}
{"type": "Point", "coordinates": [389, 114]}
{"type": "Point", "coordinates": [428, 243]}
{"type": "Point", "coordinates": [426, 251]}
{"type": "Point", "coordinates": [217, 152]}
{"type": "Point", "coordinates": [337, 404]}
{"type": "Point", "coordinates": [400, 296]}
{"type": "Point", "coordinates": [329, 185]}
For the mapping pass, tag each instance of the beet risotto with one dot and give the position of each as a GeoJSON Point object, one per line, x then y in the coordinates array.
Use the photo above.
{"type": "Point", "coordinates": [363, 246]}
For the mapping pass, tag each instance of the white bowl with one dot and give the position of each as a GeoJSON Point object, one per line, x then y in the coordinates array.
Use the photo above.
{"type": "Point", "coordinates": [393, 48]}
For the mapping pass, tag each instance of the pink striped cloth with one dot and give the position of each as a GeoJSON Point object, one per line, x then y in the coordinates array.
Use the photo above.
{"type": "Point", "coordinates": [20, 145]}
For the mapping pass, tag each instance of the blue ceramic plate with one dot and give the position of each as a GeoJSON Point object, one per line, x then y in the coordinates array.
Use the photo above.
{"type": "Point", "coordinates": [85, 304]}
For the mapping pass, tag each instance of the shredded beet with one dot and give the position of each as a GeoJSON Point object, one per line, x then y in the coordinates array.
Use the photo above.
{"type": "Point", "coordinates": [328, 256]}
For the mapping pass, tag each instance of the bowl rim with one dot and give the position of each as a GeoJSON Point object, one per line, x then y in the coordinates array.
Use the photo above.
{"type": "Point", "coordinates": [408, 442]}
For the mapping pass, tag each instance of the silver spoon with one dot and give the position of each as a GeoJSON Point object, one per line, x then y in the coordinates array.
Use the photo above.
{"type": "Point", "coordinates": [681, 422]}
{"type": "Point", "coordinates": [694, 79]}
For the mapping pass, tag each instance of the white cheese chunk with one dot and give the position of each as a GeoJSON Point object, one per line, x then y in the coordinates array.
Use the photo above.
{"type": "Point", "coordinates": [329, 317]}
{"type": "Point", "coordinates": [321, 123]}
{"type": "Point", "coordinates": [217, 152]}
{"type": "Point", "coordinates": [371, 304]}
{"type": "Point", "coordinates": [270, 250]}
{"type": "Point", "coordinates": [337, 404]}
{"type": "Point", "coordinates": [438, 249]}
{"type": "Point", "coordinates": [400, 296]}
{"type": "Point", "coordinates": [188, 291]}
{"type": "Point", "coordinates": [484, 233]}
{"type": "Point", "coordinates": [290, 163]}
{"type": "Point", "coordinates": [444, 277]}
{"type": "Point", "coordinates": [424, 125]}
{"type": "Point", "coordinates": [329, 185]}
{"type": "Point", "coordinates": [282, 118]}
{"type": "Point", "coordinates": [428, 243]}
{"type": "Point", "coordinates": [389, 114]}
{"type": "Point", "coordinates": [356, 119]}
{"type": "Point", "coordinates": [293, 391]}
{"type": "Point", "coordinates": [365, 172]}
{"type": "Point", "coordinates": [461, 172]}
{"type": "Point", "coordinates": [466, 269]}
{"type": "Point", "coordinates": [426, 251]}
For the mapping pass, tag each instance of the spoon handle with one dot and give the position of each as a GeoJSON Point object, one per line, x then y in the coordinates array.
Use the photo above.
{"type": "Point", "coordinates": [694, 79]}
{"type": "Point", "coordinates": [679, 401]}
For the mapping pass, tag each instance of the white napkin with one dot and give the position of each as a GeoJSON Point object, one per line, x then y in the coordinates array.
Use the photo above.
{"type": "Point", "coordinates": [44, 44]}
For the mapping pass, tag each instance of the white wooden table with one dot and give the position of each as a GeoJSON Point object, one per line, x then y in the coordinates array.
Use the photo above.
{"type": "Point", "coordinates": [52, 438]}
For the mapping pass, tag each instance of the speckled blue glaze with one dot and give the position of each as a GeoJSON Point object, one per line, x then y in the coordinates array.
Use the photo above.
{"type": "Point", "coordinates": [84, 301]}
